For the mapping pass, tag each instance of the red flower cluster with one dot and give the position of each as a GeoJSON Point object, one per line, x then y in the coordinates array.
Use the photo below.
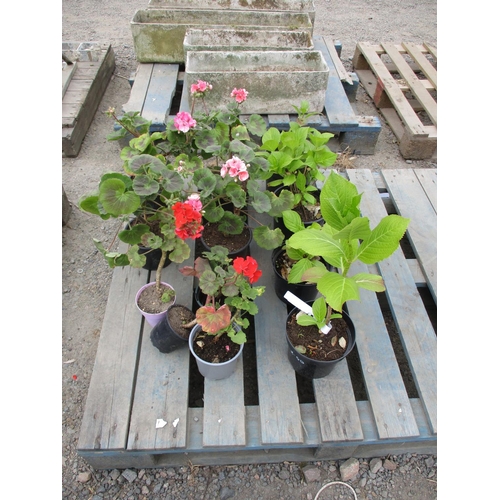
{"type": "Point", "coordinates": [248, 267]}
{"type": "Point", "coordinates": [187, 221]}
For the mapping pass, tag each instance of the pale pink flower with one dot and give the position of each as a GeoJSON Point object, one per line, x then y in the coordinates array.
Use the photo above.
{"type": "Point", "coordinates": [183, 121]}
{"type": "Point", "coordinates": [240, 95]}
{"type": "Point", "coordinates": [235, 168]}
{"type": "Point", "coordinates": [200, 87]}
{"type": "Point", "coordinates": [194, 201]}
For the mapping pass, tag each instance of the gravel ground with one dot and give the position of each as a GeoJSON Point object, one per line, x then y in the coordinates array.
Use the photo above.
{"type": "Point", "coordinates": [85, 278]}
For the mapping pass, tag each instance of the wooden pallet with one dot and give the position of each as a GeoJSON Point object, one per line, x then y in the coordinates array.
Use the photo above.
{"type": "Point", "coordinates": [84, 84]}
{"type": "Point", "coordinates": [402, 81]}
{"type": "Point", "coordinates": [133, 384]}
{"type": "Point", "coordinates": [156, 85]}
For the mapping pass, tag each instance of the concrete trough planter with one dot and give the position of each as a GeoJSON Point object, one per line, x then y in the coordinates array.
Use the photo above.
{"type": "Point", "coordinates": [306, 6]}
{"type": "Point", "coordinates": [158, 34]}
{"type": "Point", "coordinates": [275, 80]}
{"type": "Point", "coordinates": [246, 40]}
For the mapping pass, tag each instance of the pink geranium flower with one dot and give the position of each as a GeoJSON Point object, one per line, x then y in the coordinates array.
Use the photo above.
{"type": "Point", "coordinates": [183, 121]}
{"type": "Point", "coordinates": [240, 95]}
{"type": "Point", "coordinates": [200, 87]}
{"type": "Point", "coordinates": [194, 201]}
{"type": "Point", "coordinates": [235, 168]}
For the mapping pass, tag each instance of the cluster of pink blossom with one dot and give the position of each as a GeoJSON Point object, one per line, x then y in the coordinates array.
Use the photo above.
{"type": "Point", "coordinates": [240, 95]}
{"type": "Point", "coordinates": [183, 121]}
{"type": "Point", "coordinates": [200, 88]}
{"type": "Point", "coordinates": [235, 168]}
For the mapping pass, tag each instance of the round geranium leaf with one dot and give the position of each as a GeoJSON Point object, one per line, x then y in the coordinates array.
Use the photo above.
{"type": "Point", "coordinates": [256, 125]}
{"type": "Point", "coordinates": [140, 163]}
{"type": "Point", "coordinates": [172, 181]}
{"type": "Point", "coordinates": [145, 186]}
{"type": "Point", "coordinates": [133, 235]}
{"type": "Point", "coordinates": [116, 200]}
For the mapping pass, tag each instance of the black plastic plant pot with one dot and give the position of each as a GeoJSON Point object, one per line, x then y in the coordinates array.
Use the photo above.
{"type": "Point", "coordinates": [243, 251]}
{"type": "Point", "coordinates": [153, 258]}
{"type": "Point", "coordinates": [165, 338]}
{"type": "Point", "coordinates": [304, 291]}
{"type": "Point", "coordinates": [311, 368]}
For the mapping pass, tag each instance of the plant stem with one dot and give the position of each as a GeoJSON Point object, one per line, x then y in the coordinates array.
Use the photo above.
{"type": "Point", "coordinates": [160, 267]}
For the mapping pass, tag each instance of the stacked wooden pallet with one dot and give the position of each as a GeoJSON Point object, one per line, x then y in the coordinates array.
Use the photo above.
{"type": "Point", "coordinates": [402, 81]}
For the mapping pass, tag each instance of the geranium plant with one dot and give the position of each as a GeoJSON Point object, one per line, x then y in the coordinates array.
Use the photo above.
{"type": "Point", "coordinates": [345, 237]}
{"type": "Point", "coordinates": [228, 285]}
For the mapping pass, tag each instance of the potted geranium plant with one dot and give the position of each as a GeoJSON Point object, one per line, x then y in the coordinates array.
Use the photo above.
{"type": "Point", "coordinates": [325, 332]}
{"type": "Point", "coordinates": [227, 296]}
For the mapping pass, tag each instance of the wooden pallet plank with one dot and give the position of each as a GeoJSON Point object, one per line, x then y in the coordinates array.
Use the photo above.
{"type": "Point", "coordinates": [337, 106]}
{"type": "Point", "coordinates": [416, 87]}
{"type": "Point", "coordinates": [278, 399]}
{"type": "Point", "coordinates": [160, 93]}
{"type": "Point", "coordinates": [424, 64]}
{"type": "Point", "coordinates": [428, 180]}
{"type": "Point", "coordinates": [162, 385]}
{"type": "Point", "coordinates": [387, 86]}
{"type": "Point", "coordinates": [67, 74]}
{"type": "Point", "coordinates": [432, 50]}
{"type": "Point", "coordinates": [385, 387]}
{"type": "Point", "coordinates": [224, 411]}
{"type": "Point", "coordinates": [411, 201]}
{"type": "Point", "coordinates": [337, 411]}
{"type": "Point", "coordinates": [339, 67]}
{"type": "Point", "coordinates": [139, 88]}
{"type": "Point", "coordinates": [412, 321]}
{"type": "Point", "coordinates": [107, 410]}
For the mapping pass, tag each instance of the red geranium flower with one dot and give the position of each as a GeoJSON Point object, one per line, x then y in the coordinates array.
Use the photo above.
{"type": "Point", "coordinates": [187, 221]}
{"type": "Point", "coordinates": [248, 267]}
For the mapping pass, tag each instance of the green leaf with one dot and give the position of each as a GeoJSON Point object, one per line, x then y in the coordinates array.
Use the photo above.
{"type": "Point", "coordinates": [319, 309]}
{"type": "Point", "coordinates": [369, 281]}
{"type": "Point", "coordinates": [314, 273]}
{"type": "Point", "coordinates": [133, 235]}
{"type": "Point", "coordinates": [181, 251]}
{"type": "Point", "coordinates": [298, 270]}
{"type": "Point", "coordinates": [172, 181]}
{"type": "Point", "coordinates": [261, 202]}
{"type": "Point", "coordinates": [267, 238]}
{"type": "Point", "coordinates": [357, 229]}
{"type": "Point", "coordinates": [284, 201]}
{"type": "Point", "coordinates": [271, 139]}
{"type": "Point", "coordinates": [293, 221]}
{"type": "Point", "coordinates": [90, 204]}
{"type": "Point", "coordinates": [306, 320]}
{"type": "Point", "coordinates": [240, 133]}
{"type": "Point", "coordinates": [140, 163]}
{"type": "Point", "coordinates": [145, 186]}
{"type": "Point", "coordinates": [237, 336]}
{"type": "Point", "coordinates": [231, 224]}
{"type": "Point", "coordinates": [337, 289]}
{"type": "Point", "coordinates": [116, 200]}
{"type": "Point", "coordinates": [256, 125]}
{"type": "Point", "coordinates": [383, 240]}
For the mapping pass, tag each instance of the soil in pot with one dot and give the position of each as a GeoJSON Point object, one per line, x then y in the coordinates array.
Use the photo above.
{"type": "Point", "coordinates": [233, 242]}
{"type": "Point", "coordinates": [319, 346]}
{"type": "Point", "coordinates": [178, 316]}
{"type": "Point", "coordinates": [213, 350]}
{"type": "Point", "coordinates": [150, 300]}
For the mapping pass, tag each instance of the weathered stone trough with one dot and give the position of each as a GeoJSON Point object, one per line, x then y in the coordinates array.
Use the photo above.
{"type": "Point", "coordinates": [275, 80]}
{"type": "Point", "coordinates": [158, 34]}
{"type": "Point", "coordinates": [246, 40]}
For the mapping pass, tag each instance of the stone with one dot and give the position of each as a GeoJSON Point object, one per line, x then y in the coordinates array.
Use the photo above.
{"type": "Point", "coordinates": [311, 473]}
{"type": "Point", "coordinates": [129, 475]}
{"type": "Point", "coordinates": [349, 469]}
{"type": "Point", "coordinates": [226, 493]}
{"type": "Point", "coordinates": [114, 474]}
{"type": "Point", "coordinates": [84, 477]}
{"type": "Point", "coordinates": [375, 465]}
{"type": "Point", "coordinates": [389, 465]}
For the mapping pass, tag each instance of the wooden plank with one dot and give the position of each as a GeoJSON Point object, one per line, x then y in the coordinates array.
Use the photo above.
{"type": "Point", "coordinates": [139, 89]}
{"type": "Point", "coordinates": [424, 64]}
{"type": "Point", "coordinates": [416, 87]}
{"type": "Point", "coordinates": [428, 180]}
{"type": "Point", "coordinates": [160, 93]}
{"type": "Point", "coordinates": [162, 385]}
{"type": "Point", "coordinates": [337, 411]}
{"type": "Point", "coordinates": [106, 417]}
{"type": "Point", "coordinates": [337, 106]}
{"type": "Point", "coordinates": [432, 50]}
{"type": "Point", "coordinates": [278, 399]}
{"type": "Point", "coordinates": [67, 74]}
{"type": "Point", "coordinates": [224, 411]}
{"type": "Point", "coordinates": [412, 321]}
{"type": "Point", "coordinates": [341, 71]}
{"type": "Point", "coordinates": [411, 201]}
{"type": "Point", "coordinates": [387, 84]}
{"type": "Point", "coordinates": [385, 387]}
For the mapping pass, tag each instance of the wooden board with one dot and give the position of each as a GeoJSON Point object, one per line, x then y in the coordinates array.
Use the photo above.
{"type": "Point", "coordinates": [82, 97]}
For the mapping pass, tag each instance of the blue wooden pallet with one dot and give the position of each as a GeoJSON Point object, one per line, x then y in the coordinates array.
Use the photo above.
{"type": "Point", "coordinates": [158, 93]}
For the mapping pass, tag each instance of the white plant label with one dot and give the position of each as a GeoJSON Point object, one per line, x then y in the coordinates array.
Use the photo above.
{"type": "Point", "coordinates": [305, 308]}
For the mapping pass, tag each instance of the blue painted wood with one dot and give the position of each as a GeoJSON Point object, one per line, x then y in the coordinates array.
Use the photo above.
{"type": "Point", "coordinates": [412, 321]}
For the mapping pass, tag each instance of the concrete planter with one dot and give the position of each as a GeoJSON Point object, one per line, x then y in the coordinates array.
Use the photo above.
{"type": "Point", "coordinates": [158, 34]}
{"type": "Point", "coordinates": [244, 40]}
{"type": "Point", "coordinates": [306, 6]}
{"type": "Point", "coordinates": [275, 80]}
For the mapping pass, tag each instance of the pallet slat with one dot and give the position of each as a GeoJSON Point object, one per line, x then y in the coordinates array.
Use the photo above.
{"type": "Point", "coordinates": [412, 321]}
{"type": "Point", "coordinates": [411, 201]}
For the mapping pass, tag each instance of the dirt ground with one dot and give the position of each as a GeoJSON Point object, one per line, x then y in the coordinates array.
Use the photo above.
{"type": "Point", "coordinates": [85, 275]}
